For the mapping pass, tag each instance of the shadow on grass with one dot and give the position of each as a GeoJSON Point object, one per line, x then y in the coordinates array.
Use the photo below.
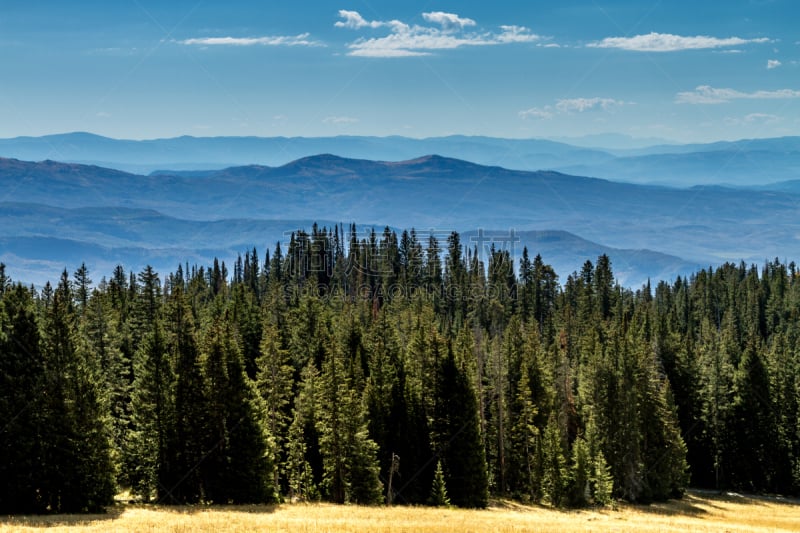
{"type": "Point", "coordinates": [745, 498]}
{"type": "Point", "coordinates": [697, 502]}
{"type": "Point", "coordinates": [203, 508]}
{"type": "Point", "coordinates": [686, 506]}
{"type": "Point", "coordinates": [115, 512]}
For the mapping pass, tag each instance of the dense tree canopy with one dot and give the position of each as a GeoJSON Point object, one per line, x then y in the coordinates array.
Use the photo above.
{"type": "Point", "coordinates": [349, 359]}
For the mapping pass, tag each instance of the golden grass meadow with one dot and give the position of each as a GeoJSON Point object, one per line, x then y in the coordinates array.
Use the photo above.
{"type": "Point", "coordinates": [697, 511]}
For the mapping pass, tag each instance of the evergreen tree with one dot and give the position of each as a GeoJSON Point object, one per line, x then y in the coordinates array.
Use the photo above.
{"type": "Point", "coordinates": [275, 382]}
{"type": "Point", "coordinates": [456, 436]}
{"type": "Point", "coordinates": [349, 455]}
{"type": "Point", "coordinates": [580, 474]}
{"type": "Point", "coordinates": [438, 497]}
{"type": "Point", "coordinates": [554, 471]}
{"type": "Point", "coordinates": [80, 474]}
{"type": "Point", "coordinates": [152, 417]}
{"type": "Point", "coordinates": [303, 458]}
{"type": "Point", "coordinates": [25, 432]}
{"type": "Point", "coordinates": [238, 467]}
{"type": "Point", "coordinates": [190, 436]}
{"type": "Point", "coordinates": [755, 435]}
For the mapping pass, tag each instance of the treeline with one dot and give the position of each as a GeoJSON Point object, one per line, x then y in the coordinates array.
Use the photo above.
{"type": "Point", "coordinates": [371, 368]}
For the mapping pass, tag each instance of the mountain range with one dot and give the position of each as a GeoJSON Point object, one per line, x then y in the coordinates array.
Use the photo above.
{"type": "Point", "coordinates": [753, 162]}
{"type": "Point", "coordinates": [55, 215]}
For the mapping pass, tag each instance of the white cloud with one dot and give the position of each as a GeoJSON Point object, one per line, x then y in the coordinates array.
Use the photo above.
{"type": "Point", "coordinates": [773, 63]}
{"type": "Point", "coordinates": [275, 40]}
{"type": "Point", "coordinates": [568, 106]}
{"type": "Point", "coordinates": [353, 20]}
{"type": "Point", "coordinates": [447, 20]}
{"type": "Point", "coordinates": [667, 42]}
{"type": "Point", "coordinates": [541, 113]}
{"type": "Point", "coordinates": [339, 120]}
{"type": "Point", "coordinates": [406, 40]}
{"type": "Point", "coordinates": [579, 105]}
{"type": "Point", "coordinates": [758, 118]}
{"type": "Point", "coordinates": [103, 114]}
{"type": "Point", "coordinates": [705, 94]}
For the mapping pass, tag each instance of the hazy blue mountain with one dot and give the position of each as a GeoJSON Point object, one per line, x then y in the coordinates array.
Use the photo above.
{"type": "Point", "coordinates": [614, 142]}
{"type": "Point", "coordinates": [734, 165]}
{"type": "Point", "coordinates": [610, 156]}
{"type": "Point", "coordinates": [231, 209]}
{"type": "Point", "coordinates": [197, 153]}
{"type": "Point", "coordinates": [39, 241]}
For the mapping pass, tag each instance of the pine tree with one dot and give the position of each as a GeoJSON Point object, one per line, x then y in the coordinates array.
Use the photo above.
{"type": "Point", "coordinates": [80, 474]}
{"type": "Point", "coordinates": [438, 497]}
{"type": "Point", "coordinates": [152, 418]}
{"type": "Point", "coordinates": [349, 455]}
{"type": "Point", "coordinates": [752, 462]}
{"type": "Point", "coordinates": [554, 475]}
{"type": "Point", "coordinates": [303, 459]}
{"type": "Point", "coordinates": [275, 380]}
{"type": "Point", "coordinates": [190, 437]}
{"type": "Point", "coordinates": [580, 474]}
{"type": "Point", "coordinates": [602, 482]}
{"type": "Point", "coordinates": [239, 466]}
{"type": "Point", "coordinates": [25, 432]}
{"type": "Point", "coordinates": [456, 435]}
{"type": "Point", "coordinates": [101, 332]}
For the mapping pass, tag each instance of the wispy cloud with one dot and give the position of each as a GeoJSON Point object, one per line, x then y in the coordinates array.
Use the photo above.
{"type": "Point", "coordinates": [445, 31]}
{"type": "Point", "coordinates": [568, 106]}
{"type": "Point", "coordinates": [539, 113]}
{"type": "Point", "coordinates": [448, 20]}
{"type": "Point", "coordinates": [667, 42]}
{"type": "Point", "coordinates": [354, 21]}
{"type": "Point", "coordinates": [303, 39]}
{"type": "Point", "coordinates": [773, 63]}
{"type": "Point", "coordinates": [705, 94]}
{"type": "Point", "coordinates": [579, 105]}
{"type": "Point", "coordinates": [753, 118]}
{"type": "Point", "coordinates": [339, 120]}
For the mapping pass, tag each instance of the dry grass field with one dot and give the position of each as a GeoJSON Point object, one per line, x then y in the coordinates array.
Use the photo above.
{"type": "Point", "coordinates": [697, 512]}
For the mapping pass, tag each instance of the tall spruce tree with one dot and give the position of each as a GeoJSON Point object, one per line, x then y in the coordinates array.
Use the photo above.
{"type": "Point", "coordinates": [239, 465]}
{"type": "Point", "coordinates": [349, 456]}
{"type": "Point", "coordinates": [25, 433]}
{"type": "Point", "coordinates": [190, 436]}
{"type": "Point", "coordinates": [456, 435]}
{"type": "Point", "coordinates": [152, 419]}
{"type": "Point", "coordinates": [80, 474]}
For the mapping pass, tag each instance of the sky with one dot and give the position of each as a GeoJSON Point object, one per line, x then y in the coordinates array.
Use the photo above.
{"type": "Point", "coordinates": [685, 71]}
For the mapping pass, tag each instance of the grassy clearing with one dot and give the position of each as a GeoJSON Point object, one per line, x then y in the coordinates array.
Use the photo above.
{"type": "Point", "coordinates": [697, 512]}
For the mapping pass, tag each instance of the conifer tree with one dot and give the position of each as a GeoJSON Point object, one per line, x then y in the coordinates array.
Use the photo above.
{"type": "Point", "coordinates": [554, 471]}
{"type": "Point", "coordinates": [151, 417]}
{"type": "Point", "coordinates": [275, 382]}
{"type": "Point", "coordinates": [190, 437]}
{"type": "Point", "coordinates": [438, 497]}
{"type": "Point", "coordinates": [25, 432]}
{"type": "Point", "coordinates": [239, 466]}
{"type": "Point", "coordinates": [580, 474]}
{"type": "Point", "coordinates": [80, 474]}
{"type": "Point", "coordinates": [303, 459]}
{"type": "Point", "coordinates": [456, 435]}
{"type": "Point", "coordinates": [349, 455]}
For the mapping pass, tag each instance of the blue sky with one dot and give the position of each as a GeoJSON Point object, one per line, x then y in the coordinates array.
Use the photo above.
{"type": "Point", "coordinates": [688, 71]}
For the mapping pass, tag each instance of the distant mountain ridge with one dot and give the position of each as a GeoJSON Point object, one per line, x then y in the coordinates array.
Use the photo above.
{"type": "Point", "coordinates": [651, 231]}
{"type": "Point", "coordinates": [748, 162]}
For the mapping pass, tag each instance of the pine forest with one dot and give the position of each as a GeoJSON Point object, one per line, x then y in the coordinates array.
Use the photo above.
{"type": "Point", "coordinates": [379, 368]}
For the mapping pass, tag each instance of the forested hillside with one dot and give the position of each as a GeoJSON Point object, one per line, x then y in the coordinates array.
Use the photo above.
{"type": "Point", "coordinates": [365, 368]}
